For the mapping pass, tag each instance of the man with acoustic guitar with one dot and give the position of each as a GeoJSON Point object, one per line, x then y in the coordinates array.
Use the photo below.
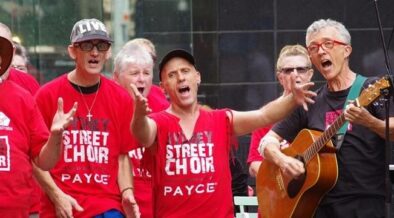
{"type": "Point", "coordinates": [318, 179]}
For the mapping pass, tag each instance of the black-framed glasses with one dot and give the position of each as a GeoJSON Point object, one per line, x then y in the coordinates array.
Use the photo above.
{"type": "Point", "coordinates": [326, 45]}
{"type": "Point", "coordinates": [289, 70]}
{"type": "Point", "coordinates": [89, 45]}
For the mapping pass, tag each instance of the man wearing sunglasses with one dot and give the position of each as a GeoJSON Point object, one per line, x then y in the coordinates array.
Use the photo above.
{"type": "Point", "coordinates": [93, 177]}
{"type": "Point", "coordinates": [359, 190]}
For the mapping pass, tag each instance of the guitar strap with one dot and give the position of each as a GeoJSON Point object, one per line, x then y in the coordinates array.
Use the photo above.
{"type": "Point", "coordinates": [353, 94]}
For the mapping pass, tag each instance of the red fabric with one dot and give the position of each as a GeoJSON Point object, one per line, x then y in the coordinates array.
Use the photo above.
{"type": "Point", "coordinates": [257, 135]}
{"type": "Point", "coordinates": [142, 178]}
{"type": "Point", "coordinates": [25, 80]}
{"type": "Point", "coordinates": [29, 83]}
{"type": "Point", "coordinates": [191, 177]}
{"type": "Point", "coordinates": [89, 166]}
{"type": "Point", "coordinates": [22, 135]}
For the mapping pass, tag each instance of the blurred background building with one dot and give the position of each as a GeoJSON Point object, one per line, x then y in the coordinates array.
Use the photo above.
{"type": "Point", "coordinates": [235, 42]}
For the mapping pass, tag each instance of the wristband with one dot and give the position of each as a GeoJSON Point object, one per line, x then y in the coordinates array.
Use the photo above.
{"type": "Point", "coordinates": [265, 141]}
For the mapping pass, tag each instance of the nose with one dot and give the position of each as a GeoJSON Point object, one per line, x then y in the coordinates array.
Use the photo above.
{"type": "Point", "coordinates": [94, 51]}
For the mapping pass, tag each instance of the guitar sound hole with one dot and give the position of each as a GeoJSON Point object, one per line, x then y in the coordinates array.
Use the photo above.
{"type": "Point", "coordinates": [295, 185]}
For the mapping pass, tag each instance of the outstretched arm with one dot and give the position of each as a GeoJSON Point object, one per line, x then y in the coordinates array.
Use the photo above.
{"type": "Point", "coordinates": [246, 122]}
{"type": "Point", "coordinates": [142, 127]}
{"type": "Point", "coordinates": [51, 151]}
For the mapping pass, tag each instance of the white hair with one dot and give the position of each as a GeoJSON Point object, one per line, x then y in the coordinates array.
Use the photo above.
{"type": "Point", "coordinates": [131, 53]}
{"type": "Point", "coordinates": [318, 25]}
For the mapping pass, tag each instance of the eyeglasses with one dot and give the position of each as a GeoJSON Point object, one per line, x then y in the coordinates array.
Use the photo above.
{"type": "Point", "coordinates": [20, 67]}
{"type": "Point", "coordinates": [326, 45]}
{"type": "Point", "coordinates": [289, 70]}
{"type": "Point", "coordinates": [89, 45]}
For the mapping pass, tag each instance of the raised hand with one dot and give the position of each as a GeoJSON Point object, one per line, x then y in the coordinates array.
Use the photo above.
{"type": "Point", "coordinates": [61, 120]}
{"type": "Point", "coordinates": [301, 92]}
{"type": "Point", "coordinates": [141, 107]}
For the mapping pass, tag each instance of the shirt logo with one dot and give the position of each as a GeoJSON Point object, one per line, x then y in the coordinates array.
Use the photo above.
{"type": "Point", "coordinates": [4, 154]}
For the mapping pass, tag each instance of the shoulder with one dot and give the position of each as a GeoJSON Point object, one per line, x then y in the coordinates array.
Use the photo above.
{"type": "Point", "coordinates": [52, 85]}
{"type": "Point", "coordinates": [16, 93]}
{"type": "Point", "coordinates": [113, 88]}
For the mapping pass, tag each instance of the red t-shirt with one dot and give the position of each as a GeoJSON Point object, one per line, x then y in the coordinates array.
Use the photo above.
{"type": "Point", "coordinates": [25, 80]}
{"type": "Point", "coordinates": [191, 177]}
{"type": "Point", "coordinates": [29, 83]}
{"type": "Point", "coordinates": [142, 179]}
{"type": "Point", "coordinates": [257, 135]}
{"type": "Point", "coordinates": [22, 135]}
{"type": "Point", "coordinates": [88, 169]}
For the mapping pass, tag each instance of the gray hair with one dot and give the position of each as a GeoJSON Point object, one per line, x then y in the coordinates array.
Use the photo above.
{"type": "Point", "coordinates": [131, 53]}
{"type": "Point", "coordinates": [318, 25]}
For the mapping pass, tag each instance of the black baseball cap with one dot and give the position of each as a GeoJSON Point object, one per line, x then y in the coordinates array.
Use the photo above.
{"type": "Point", "coordinates": [6, 53]}
{"type": "Point", "coordinates": [177, 53]}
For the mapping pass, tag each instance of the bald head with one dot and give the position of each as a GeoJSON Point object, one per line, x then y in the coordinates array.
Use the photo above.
{"type": "Point", "coordinates": [5, 31]}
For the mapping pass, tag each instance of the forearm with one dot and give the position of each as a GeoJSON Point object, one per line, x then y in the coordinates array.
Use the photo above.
{"type": "Point", "coordinates": [379, 127]}
{"type": "Point", "coordinates": [246, 122]}
{"type": "Point", "coordinates": [254, 168]}
{"type": "Point", "coordinates": [46, 182]}
{"type": "Point", "coordinates": [144, 130]}
{"type": "Point", "coordinates": [125, 178]}
{"type": "Point", "coordinates": [50, 152]}
{"type": "Point", "coordinates": [278, 109]}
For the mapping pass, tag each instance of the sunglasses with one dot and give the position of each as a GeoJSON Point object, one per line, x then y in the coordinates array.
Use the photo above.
{"type": "Point", "coordinates": [89, 45]}
{"type": "Point", "coordinates": [300, 70]}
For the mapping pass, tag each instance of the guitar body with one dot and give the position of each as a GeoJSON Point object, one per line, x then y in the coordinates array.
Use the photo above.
{"type": "Point", "coordinates": [279, 196]}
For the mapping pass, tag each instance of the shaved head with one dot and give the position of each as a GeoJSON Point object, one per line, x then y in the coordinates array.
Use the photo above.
{"type": "Point", "coordinates": [5, 31]}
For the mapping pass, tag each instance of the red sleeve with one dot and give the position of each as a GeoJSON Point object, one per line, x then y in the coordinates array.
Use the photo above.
{"type": "Point", "coordinates": [127, 140]}
{"type": "Point", "coordinates": [38, 131]}
{"type": "Point", "coordinates": [254, 144]}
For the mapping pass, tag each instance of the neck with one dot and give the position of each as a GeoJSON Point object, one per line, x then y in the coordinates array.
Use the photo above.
{"type": "Point", "coordinates": [84, 80]}
{"type": "Point", "coordinates": [184, 112]}
{"type": "Point", "coordinates": [342, 81]}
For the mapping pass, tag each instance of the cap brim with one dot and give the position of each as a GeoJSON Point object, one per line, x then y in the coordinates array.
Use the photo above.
{"type": "Point", "coordinates": [175, 53]}
{"type": "Point", "coordinates": [6, 52]}
{"type": "Point", "coordinates": [92, 37]}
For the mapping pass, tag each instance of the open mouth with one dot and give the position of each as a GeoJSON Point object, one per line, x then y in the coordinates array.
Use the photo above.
{"type": "Point", "coordinates": [184, 90]}
{"type": "Point", "coordinates": [326, 63]}
{"type": "Point", "coordinates": [141, 89]}
{"type": "Point", "coordinates": [93, 61]}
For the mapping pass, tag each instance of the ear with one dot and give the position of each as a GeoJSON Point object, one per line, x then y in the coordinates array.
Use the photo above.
{"type": "Point", "coordinates": [162, 87]}
{"type": "Point", "coordinates": [108, 54]}
{"type": "Point", "coordinates": [348, 51]}
{"type": "Point", "coordinates": [310, 74]}
{"type": "Point", "coordinates": [115, 76]}
{"type": "Point", "coordinates": [71, 52]}
{"type": "Point", "coordinates": [280, 78]}
{"type": "Point", "coordinates": [198, 78]}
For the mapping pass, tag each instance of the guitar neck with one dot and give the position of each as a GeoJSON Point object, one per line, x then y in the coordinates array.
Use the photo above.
{"type": "Point", "coordinates": [324, 138]}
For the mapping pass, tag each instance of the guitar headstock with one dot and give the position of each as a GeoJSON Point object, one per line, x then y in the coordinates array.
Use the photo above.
{"type": "Point", "coordinates": [373, 92]}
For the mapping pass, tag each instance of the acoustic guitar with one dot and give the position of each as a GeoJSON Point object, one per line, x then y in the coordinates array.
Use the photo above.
{"type": "Point", "coordinates": [279, 196]}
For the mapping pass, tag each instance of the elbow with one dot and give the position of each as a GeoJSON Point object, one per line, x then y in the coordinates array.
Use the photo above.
{"type": "Point", "coordinates": [43, 165]}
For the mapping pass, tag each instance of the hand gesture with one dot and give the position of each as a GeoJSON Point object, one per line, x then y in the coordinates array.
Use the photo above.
{"type": "Point", "coordinates": [301, 92]}
{"type": "Point", "coordinates": [141, 106]}
{"type": "Point", "coordinates": [61, 120]}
